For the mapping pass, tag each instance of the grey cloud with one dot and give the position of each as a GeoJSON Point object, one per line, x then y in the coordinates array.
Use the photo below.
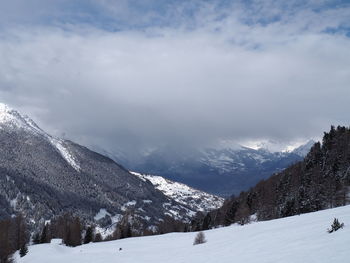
{"type": "Point", "coordinates": [282, 81]}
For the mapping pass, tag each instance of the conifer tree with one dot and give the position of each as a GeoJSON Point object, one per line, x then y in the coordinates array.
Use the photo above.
{"type": "Point", "coordinates": [89, 235]}
{"type": "Point", "coordinates": [98, 238]}
{"type": "Point", "coordinates": [36, 238]}
{"type": "Point", "coordinates": [22, 235]}
{"type": "Point", "coordinates": [45, 237]}
{"type": "Point", "coordinates": [23, 250]}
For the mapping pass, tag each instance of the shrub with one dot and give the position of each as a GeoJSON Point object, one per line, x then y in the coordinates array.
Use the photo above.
{"type": "Point", "coordinates": [335, 226]}
{"type": "Point", "coordinates": [98, 237]}
{"type": "Point", "coordinates": [199, 239]}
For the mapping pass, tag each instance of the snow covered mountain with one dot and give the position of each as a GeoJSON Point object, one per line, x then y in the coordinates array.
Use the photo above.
{"type": "Point", "coordinates": [303, 150]}
{"type": "Point", "coordinates": [219, 170]}
{"type": "Point", "coordinates": [320, 181]}
{"type": "Point", "coordinates": [43, 176]}
{"type": "Point", "coordinates": [194, 199]}
{"type": "Point", "coordinates": [296, 239]}
{"type": "Point", "coordinates": [11, 120]}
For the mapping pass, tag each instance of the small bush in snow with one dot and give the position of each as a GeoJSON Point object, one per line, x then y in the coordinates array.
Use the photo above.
{"type": "Point", "coordinates": [199, 239]}
{"type": "Point", "coordinates": [335, 226]}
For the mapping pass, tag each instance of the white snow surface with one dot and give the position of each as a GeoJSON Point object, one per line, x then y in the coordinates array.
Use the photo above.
{"type": "Point", "coordinates": [101, 214]}
{"type": "Point", "coordinates": [13, 119]}
{"type": "Point", "coordinates": [304, 149]}
{"type": "Point", "coordinates": [195, 199]}
{"type": "Point", "coordinates": [296, 239]}
{"type": "Point", "coordinates": [68, 156]}
{"type": "Point", "coordinates": [128, 205]}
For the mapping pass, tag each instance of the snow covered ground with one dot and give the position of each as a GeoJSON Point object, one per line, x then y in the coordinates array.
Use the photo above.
{"type": "Point", "coordinates": [195, 199]}
{"type": "Point", "coordinates": [294, 239]}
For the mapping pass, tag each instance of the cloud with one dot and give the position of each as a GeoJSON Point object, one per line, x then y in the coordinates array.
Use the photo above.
{"type": "Point", "coordinates": [258, 72]}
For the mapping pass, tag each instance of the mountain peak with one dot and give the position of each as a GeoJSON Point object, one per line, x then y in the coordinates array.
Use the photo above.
{"type": "Point", "coordinates": [3, 107]}
{"type": "Point", "coordinates": [46, 175]}
{"type": "Point", "coordinates": [14, 119]}
{"type": "Point", "coordinates": [304, 149]}
{"type": "Point", "coordinates": [5, 113]}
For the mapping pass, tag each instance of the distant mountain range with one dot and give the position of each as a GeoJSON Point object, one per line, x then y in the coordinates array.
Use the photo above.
{"type": "Point", "coordinates": [320, 181]}
{"type": "Point", "coordinates": [219, 170]}
{"type": "Point", "coordinates": [42, 176]}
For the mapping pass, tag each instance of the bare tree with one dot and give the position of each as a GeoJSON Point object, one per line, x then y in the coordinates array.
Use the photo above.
{"type": "Point", "coordinates": [199, 239]}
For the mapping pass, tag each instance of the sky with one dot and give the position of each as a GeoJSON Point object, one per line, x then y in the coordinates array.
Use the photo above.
{"type": "Point", "coordinates": [129, 75]}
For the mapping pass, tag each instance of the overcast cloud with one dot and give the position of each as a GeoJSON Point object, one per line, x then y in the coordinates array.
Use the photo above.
{"type": "Point", "coordinates": [123, 75]}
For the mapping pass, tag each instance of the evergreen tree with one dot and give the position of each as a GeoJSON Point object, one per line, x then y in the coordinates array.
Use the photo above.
{"type": "Point", "coordinates": [89, 235]}
{"type": "Point", "coordinates": [128, 232]}
{"type": "Point", "coordinates": [45, 237]}
{"type": "Point", "coordinates": [22, 235]}
{"type": "Point", "coordinates": [98, 238]}
{"type": "Point", "coordinates": [23, 250]}
{"type": "Point", "coordinates": [36, 238]}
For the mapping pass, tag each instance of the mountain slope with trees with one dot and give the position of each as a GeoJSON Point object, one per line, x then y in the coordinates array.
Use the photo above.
{"type": "Point", "coordinates": [43, 176]}
{"type": "Point", "coordinates": [194, 199]}
{"type": "Point", "coordinates": [320, 181]}
{"type": "Point", "coordinates": [223, 170]}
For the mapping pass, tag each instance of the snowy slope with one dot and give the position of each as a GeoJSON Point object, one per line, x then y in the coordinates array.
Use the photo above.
{"type": "Point", "coordinates": [10, 118]}
{"type": "Point", "coordinates": [289, 240]}
{"type": "Point", "coordinates": [195, 199]}
{"type": "Point", "coordinates": [13, 119]}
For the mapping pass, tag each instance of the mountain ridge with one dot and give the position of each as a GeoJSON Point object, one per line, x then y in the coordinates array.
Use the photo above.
{"type": "Point", "coordinates": [43, 176]}
{"type": "Point", "coordinates": [218, 170]}
{"type": "Point", "coordinates": [320, 181]}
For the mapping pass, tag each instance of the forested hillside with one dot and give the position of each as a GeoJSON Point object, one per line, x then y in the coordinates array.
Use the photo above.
{"type": "Point", "coordinates": [318, 182]}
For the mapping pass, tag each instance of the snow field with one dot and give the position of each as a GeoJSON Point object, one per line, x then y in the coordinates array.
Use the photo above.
{"type": "Point", "coordinates": [294, 239]}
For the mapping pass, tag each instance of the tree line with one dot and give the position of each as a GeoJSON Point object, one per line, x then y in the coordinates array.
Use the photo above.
{"type": "Point", "coordinates": [318, 182]}
{"type": "Point", "coordinates": [13, 236]}
{"type": "Point", "coordinates": [14, 233]}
